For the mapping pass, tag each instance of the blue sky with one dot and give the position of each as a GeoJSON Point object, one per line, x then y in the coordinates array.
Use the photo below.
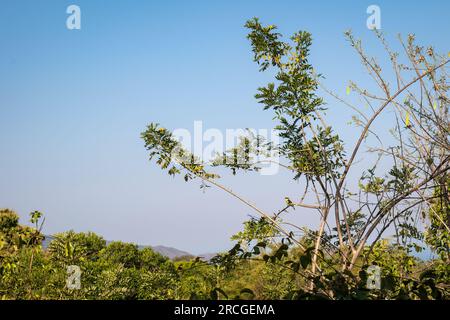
{"type": "Point", "coordinates": [74, 102]}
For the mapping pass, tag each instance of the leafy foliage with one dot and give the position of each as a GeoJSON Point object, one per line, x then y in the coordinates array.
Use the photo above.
{"type": "Point", "coordinates": [409, 177]}
{"type": "Point", "coordinates": [273, 258]}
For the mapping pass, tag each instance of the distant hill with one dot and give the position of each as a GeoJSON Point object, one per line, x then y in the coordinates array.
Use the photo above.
{"type": "Point", "coordinates": [168, 252]}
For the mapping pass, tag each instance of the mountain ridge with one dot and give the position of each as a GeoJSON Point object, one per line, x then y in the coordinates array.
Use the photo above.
{"type": "Point", "coordinates": [168, 252]}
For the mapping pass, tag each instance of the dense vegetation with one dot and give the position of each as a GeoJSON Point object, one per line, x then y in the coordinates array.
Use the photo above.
{"type": "Point", "coordinates": [398, 188]}
{"type": "Point", "coordinates": [122, 271]}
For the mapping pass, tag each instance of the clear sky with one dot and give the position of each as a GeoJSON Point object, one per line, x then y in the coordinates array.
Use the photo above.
{"type": "Point", "coordinates": [74, 102]}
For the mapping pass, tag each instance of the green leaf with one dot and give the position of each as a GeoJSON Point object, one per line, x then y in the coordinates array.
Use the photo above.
{"type": "Point", "coordinates": [215, 293]}
{"type": "Point", "coordinates": [407, 119]}
{"type": "Point", "coordinates": [248, 291]}
{"type": "Point", "coordinates": [305, 260]}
